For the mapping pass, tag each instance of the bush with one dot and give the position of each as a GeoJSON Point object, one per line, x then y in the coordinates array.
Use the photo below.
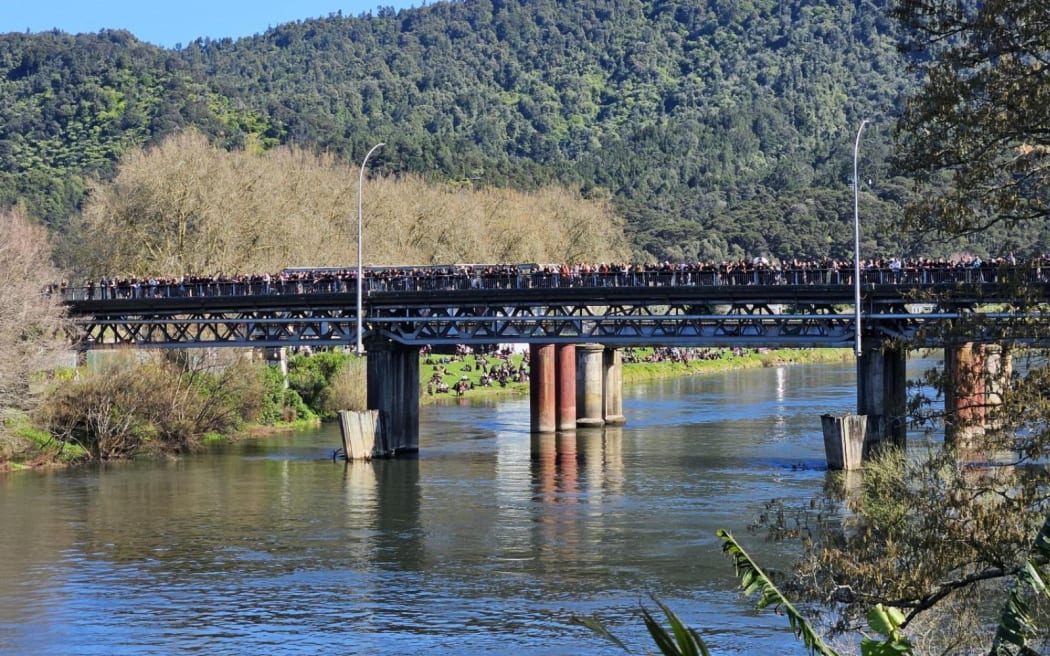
{"type": "Point", "coordinates": [349, 388]}
{"type": "Point", "coordinates": [131, 406]}
{"type": "Point", "coordinates": [328, 382]}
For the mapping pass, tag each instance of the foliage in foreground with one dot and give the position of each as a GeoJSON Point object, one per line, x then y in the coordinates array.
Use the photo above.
{"type": "Point", "coordinates": [1013, 635]}
{"type": "Point", "coordinates": [682, 640]}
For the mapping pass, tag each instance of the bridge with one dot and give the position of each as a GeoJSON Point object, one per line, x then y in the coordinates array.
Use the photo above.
{"type": "Point", "coordinates": [575, 326]}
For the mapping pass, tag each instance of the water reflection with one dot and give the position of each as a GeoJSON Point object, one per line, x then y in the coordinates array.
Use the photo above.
{"type": "Point", "coordinates": [485, 543]}
{"type": "Point", "coordinates": [399, 535]}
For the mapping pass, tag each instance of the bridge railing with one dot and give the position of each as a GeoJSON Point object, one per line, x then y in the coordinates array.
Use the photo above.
{"type": "Point", "coordinates": [663, 277]}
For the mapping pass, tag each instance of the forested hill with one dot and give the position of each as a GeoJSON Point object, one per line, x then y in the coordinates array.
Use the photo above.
{"type": "Point", "coordinates": [719, 127]}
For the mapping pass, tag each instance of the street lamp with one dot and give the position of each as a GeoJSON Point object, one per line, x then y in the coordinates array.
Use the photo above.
{"type": "Point", "coordinates": [361, 247]}
{"type": "Point", "coordinates": [856, 240]}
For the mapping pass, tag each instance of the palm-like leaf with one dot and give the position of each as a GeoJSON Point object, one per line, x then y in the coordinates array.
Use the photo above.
{"type": "Point", "coordinates": [753, 579]}
{"type": "Point", "coordinates": [679, 641]}
{"type": "Point", "coordinates": [1016, 625]}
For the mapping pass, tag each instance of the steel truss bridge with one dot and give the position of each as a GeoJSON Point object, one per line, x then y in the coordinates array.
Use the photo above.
{"type": "Point", "coordinates": [744, 315]}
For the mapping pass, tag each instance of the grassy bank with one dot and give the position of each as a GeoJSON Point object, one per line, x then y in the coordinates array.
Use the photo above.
{"type": "Point", "coordinates": [472, 376]}
{"type": "Point", "coordinates": [639, 365]}
{"type": "Point", "coordinates": [722, 360]}
{"type": "Point", "coordinates": [25, 446]}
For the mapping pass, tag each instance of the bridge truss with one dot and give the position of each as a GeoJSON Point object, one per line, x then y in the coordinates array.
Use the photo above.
{"type": "Point", "coordinates": [783, 316]}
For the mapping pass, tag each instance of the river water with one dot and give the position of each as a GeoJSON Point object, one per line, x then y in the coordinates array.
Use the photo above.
{"type": "Point", "coordinates": [487, 543]}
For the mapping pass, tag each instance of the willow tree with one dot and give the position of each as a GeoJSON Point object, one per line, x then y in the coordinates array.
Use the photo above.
{"type": "Point", "coordinates": [31, 319]}
{"type": "Point", "coordinates": [188, 207]}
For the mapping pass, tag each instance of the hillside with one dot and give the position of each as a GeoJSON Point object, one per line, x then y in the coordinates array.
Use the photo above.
{"type": "Point", "coordinates": [718, 128]}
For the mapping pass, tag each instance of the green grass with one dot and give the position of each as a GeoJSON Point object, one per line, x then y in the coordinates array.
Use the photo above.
{"type": "Point", "coordinates": [453, 369]}
{"type": "Point", "coordinates": [23, 445]}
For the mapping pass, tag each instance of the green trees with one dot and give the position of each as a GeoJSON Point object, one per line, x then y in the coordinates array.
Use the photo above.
{"type": "Point", "coordinates": [71, 105]}
{"type": "Point", "coordinates": [940, 538]}
{"type": "Point", "coordinates": [940, 533]}
{"type": "Point", "coordinates": [687, 116]}
{"type": "Point", "coordinates": [975, 133]}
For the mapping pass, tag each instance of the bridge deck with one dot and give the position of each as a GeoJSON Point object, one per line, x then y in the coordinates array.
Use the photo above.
{"type": "Point", "coordinates": [666, 314]}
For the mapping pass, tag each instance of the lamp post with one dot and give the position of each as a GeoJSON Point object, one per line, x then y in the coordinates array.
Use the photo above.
{"type": "Point", "coordinates": [856, 240]}
{"type": "Point", "coordinates": [361, 247]}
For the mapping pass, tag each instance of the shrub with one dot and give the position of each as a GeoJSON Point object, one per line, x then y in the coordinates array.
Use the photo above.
{"type": "Point", "coordinates": [130, 406]}
{"type": "Point", "coordinates": [328, 381]}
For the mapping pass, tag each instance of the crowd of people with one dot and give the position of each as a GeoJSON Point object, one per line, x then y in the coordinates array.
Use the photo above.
{"type": "Point", "coordinates": [756, 271]}
{"type": "Point", "coordinates": [501, 372]}
{"type": "Point", "coordinates": [684, 355]}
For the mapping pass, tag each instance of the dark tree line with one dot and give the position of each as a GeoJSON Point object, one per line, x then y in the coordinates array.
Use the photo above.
{"type": "Point", "coordinates": [718, 128]}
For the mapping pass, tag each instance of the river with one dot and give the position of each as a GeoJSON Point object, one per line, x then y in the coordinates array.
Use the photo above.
{"type": "Point", "coordinates": [487, 543]}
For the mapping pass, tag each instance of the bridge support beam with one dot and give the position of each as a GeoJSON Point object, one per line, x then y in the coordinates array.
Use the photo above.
{"type": "Point", "coordinates": [976, 377]}
{"type": "Point", "coordinates": [590, 396]}
{"type": "Point", "coordinates": [882, 394]}
{"type": "Point", "coordinates": [393, 389]}
{"type": "Point", "coordinates": [565, 370]}
{"type": "Point", "coordinates": [542, 382]}
{"type": "Point", "coordinates": [612, 387]}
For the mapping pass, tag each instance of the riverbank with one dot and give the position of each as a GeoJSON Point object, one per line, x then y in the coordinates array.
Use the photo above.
{"type": "Point", "coordinates": [447, 378]}
{"type": "Point", "coordinates": [639, 365]}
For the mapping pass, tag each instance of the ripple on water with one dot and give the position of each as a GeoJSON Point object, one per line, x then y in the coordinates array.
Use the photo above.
{"type": "Point", "coordinates": [489, 542]}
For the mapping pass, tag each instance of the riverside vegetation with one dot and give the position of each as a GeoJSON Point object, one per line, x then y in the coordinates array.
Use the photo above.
{"type": "Point", "coordinates": [173, 402]}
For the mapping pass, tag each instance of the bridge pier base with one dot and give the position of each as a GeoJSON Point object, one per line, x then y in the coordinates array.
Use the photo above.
{"type": "Point", "coordinates": [976, 377]}
{"type": "Point", "coordinates": [882, 394]}
{"type": "Point", "coordinates": [542, 385]}
{"type": "Point", "coordinates": [844, 440]}
{"type": "Point", "coordinates": [590, 374]}
{"type": "Point", "coordinates": [393, 389]}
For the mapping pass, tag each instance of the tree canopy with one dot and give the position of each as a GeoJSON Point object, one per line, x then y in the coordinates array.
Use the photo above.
{"type": "Point", "coordinates": [188, 207]}
{"type": "Point", "coordinates": [716, 128]}
{"type": "Point", "coordinates": [977, 134]}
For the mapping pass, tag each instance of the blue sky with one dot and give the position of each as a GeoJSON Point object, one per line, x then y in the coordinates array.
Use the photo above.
{"type": "Point", "coordinates": [168, 23]}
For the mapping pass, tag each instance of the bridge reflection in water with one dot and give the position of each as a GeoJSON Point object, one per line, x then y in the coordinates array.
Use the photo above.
{"type": "Point", "coordinates": [937, 307]}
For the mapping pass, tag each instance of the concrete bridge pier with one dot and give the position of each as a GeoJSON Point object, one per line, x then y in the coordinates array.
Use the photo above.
{"type": "Point", "coordinates": [590, 379]}
{"type": "Point", "coordinates": [612, 387]}
{"type": "Point", "coordinates": [976, 378]}
{"type": "Point", "coordinates": [542, 387]}
{"type": "Point", "coordinates": [565, 395]}
{"type": "Point", "coordinates": [882, 394]}
{"type": "Point", "coordinates": [393, 389]}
